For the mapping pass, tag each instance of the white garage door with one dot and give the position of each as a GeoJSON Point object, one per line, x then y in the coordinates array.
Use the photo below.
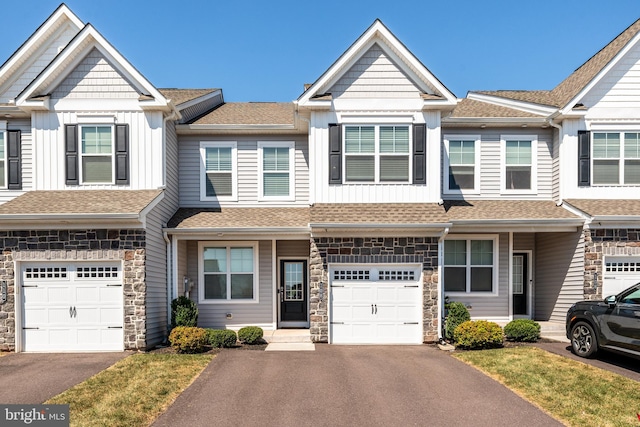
{"type": "Point", "coordinates": [619, 274]}
{"type": "Point", "coordinates": [72, 307]}
{"type": "Point", "coordinates": [376, 305]}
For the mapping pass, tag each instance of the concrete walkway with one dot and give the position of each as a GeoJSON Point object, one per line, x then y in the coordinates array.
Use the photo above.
{"type": "Point", "coordinates": [348, 386]}
{"type": "Point", "coordinates": [32, 378]}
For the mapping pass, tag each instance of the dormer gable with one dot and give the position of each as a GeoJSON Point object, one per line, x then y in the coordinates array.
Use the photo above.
{"type": "Point", "coordinates": [90, 48]}
{"type": "Point", "coordinates": [377, 55]}
{"type": "Point", "coordinates": [36, 52]}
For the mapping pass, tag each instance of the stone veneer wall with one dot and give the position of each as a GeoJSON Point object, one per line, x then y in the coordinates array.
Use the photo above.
{"type": "Point", "coordinates": [127, 246]}
{"type": "Point", "coordinates": [600, 243]}
{"type": "Point", "coordinates": [372, 250]}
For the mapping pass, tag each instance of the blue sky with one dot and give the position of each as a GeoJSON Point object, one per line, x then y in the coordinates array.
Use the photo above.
{"type": "Point", "coordinates": [267, 50]}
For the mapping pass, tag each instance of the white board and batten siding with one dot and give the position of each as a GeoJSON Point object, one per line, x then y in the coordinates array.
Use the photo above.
{"type": "Point", "coordinates": [247, 169]}
{"type": "Point", "coordinates": [559, 269]}
{"type": "Point", "coordinates": [492, 164]}
{"type": "Point", "coordinates": [214, 315]}
{"type": "Point", "coordinates": [26, 160]}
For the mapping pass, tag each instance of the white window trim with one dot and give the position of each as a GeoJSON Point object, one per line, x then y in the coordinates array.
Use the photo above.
{"type": "Point", "coordinates": [292, 170]}
{"type": "Point", "coordinates": [495, 276]}
{"type": "Point", "coordinates": [534, 163]}
{"type": "Point", "coordinates": [234, 170]}
{"type": "Point", "coordinates": [3, 132]}
{"type": "Point", "coordinates": [476, 171]}
{"type": "Point", "coordinates": [376, 154]}
{"type": "Point", "coordinates": [620, 131]}
{"type": "Point", "coordinates": [81, 155]}
{"type": "Point", "coordinates": [228, 244]}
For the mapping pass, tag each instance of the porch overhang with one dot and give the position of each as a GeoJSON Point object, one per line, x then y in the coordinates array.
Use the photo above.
{"type": "Point", "coordinates": [518, 226]}
{"type": "Point", "coordinates": [378, 229]}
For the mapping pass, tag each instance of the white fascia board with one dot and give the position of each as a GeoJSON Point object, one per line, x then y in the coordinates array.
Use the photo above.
{"type": "Point", "coordinates": [61, 13]}
{"type": "Point", "coordinates": [516, 225]}
{"type": "Point", "coordinates": [77, 221]}
{"type": "Point", "coordinates": [149, 208]}
{"type": "Point", "coordinates": [527, 107]}
{"type": "Point", "coordinates": [199, 99]}
{"type": "Point", "coordinates": [201, 233]}
{"type": "Point", "coordinates": [377, 226]}
{"type": "Point", "coordinates": [72, 55]}
{"type": "Point", "coordinates": [569, 107]}
{"type": "Point", "coordinates": [576, 211]}
{"type": "Point", "coordinates": [495, 120]}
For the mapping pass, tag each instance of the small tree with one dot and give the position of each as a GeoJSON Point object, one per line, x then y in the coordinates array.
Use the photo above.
{"type": "Point", "coordinates": [458, 314]}
{"type": "Point", "coordinates": [184, 312]}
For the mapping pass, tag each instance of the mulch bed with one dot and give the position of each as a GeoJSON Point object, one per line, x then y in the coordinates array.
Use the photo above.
{"type": "Point", "coordinates": [210, 350]}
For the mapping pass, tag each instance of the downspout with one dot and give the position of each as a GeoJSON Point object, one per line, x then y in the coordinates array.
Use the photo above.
{"type": "Point", "coordinates": [440, 273]}
{"type": "Point", "coordinates": [557, 126]}
{"type": "Point", "coordinates": [165, 236]}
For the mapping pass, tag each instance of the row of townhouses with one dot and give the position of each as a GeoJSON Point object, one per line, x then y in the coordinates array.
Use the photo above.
{"type": "Point", "coordinates": [353, 211]}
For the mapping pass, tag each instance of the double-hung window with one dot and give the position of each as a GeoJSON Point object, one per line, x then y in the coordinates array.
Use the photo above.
{"type": "Point", "coordinates": [228, 272]}
{"type": "Point", "coordinates": [218, 171]}
{"type": "Point", "coordinates": [616, 158]}
{"type": "Point", "coordinates": [519, 163]}
{"type": "Point", "coordinates": [277, 173]}
{"type": "Point", "coordinates": [96, 154]}
{"type": "Point", "coordinates": [3, 159]}
{"type": "Point", "coordinates": [461, 160]}
{"type": "Point", "coordinates": [470, 265]}
{"type": "Point", "coordinates": [377, 153]}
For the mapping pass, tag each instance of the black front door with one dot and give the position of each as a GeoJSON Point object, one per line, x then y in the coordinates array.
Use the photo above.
{"type": "Point", "coordinates": [293, 291]}
{"type": "Point", "coordinates": [520, 284]}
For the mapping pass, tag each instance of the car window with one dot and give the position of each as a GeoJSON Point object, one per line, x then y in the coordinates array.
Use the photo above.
{"type": "Point", "coordinates": [632, 298]}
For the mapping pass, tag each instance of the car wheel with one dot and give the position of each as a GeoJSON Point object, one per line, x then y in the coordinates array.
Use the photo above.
{"type": "Point", "coordinates": [583, 340]}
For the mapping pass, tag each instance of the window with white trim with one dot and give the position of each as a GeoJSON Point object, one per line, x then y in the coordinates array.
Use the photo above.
{"type": "Point", "coordinates": [470, 265]}
{"type": "Point", "coordinates": [228, 272]}
{"type": "Point", "coordinates": [96, 154]}
{"type": "Point", "coordinates": [462, 156]}
{"type": "Point", "coordinates": [277, 170]}
{"type": "Point", "coordinates": [519, 156]}
{"type": "Point", "coordinates": [3, 159]}
{"type": "Point", "coordinates": [377, 153]}
{"type": "Point", "coordinates": [218, 171]}
{"type": "Point", "coordinates": [616, 158]}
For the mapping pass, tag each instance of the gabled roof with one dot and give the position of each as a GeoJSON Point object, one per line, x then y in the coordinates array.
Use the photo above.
{"type": "Point", "coordinates": [181, 96]}
{"type": "Point", "coordinates": [60, 17]}
{"type": "Point", "coordinates": [379, 34]}
{"type": "Point", "coordinates": [36, 94]}
{"type": "Point", "coordinates": [566, 94]}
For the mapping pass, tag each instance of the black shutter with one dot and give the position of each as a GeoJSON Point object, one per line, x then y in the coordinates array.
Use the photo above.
{"type": "Point", "coordinates": [335, 153]}
{"type": "Point", "coordinates": [71, 152]}
{"type": "Point", "coordinates": [122, 154]}
{"type": "Point", "coordinates": [584, 158]}
{"type": "Point", "coordinates": [13, 159]}
{"type": "Point", "coordinates": [419, 154]}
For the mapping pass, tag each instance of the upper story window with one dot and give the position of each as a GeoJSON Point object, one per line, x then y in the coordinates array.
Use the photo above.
{"type": "Point", "coordinates": [470, 265]}
{"type": "Point", "coordinates": [218, 171]}
{"type": "Point", "coordinates": [377, 153]}
{"type": "Point", "coordinates": [3, 159]}
{"type": "Point", "coordinates": [228, 272]}
{"type": "Point", "coordinates": [277, 170]}
{"type": "Point", "coordinates": [96, 153]}
{"type": "Point", "coordinates": [462, 159]}
{"type": "Point", "coordinates": [616, 158]}
{"type": "Point", "coordinates": [519, 163]}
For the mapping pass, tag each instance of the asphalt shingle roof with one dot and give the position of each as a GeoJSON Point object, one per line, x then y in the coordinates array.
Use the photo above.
{"type": "Point", "coordinates": [600, 207]}
{"type": "Point", "coordinates": [186, 218]}
{"type": "Point", "coordinates": [377, 213]}
{"type": "Point", "coordinates": [473, 108]}
{"type": "Point", "coordinates": [250, 113]}
{"type": "Point", "coordinates": [478, 210]}
{"type": "Point", "coordinates": [180, 96]}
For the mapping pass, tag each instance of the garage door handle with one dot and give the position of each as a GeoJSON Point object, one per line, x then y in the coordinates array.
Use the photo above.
{"type": "Point", "coordinates": [116, 285]}
{"type": "Point", "coordinates": [411, 323]}
{"type": "Point", "coordinates": [114, 327]}
{"type": "Point", "coordinates": [31, 328]}
{"type": "Point", "coordinates": [411, 286]}
{"type": "Point", "coordinates": [73, 312]}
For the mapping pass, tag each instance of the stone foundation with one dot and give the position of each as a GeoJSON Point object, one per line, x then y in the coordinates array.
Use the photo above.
{"type": "Point", "coordinates": [372, 250]}
{"type": "Point", "coordinates": [599, 243]}
{"type": "Point", "coordinates": [127, 246]}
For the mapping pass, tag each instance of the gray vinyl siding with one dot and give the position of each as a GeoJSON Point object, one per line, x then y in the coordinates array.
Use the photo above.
{"type": "Point", "coordinates": [375, 75]}
{"type": "Point", "coordinates": [200, 108]}
{"type": "Point", "coordinates": [491, 163]}
{"type": "Point", "coordinates": [214, 315]}
{"type": "Point", "coordinates": [183, 271]}
{"type": "Point", "coordinates": [24, 126]}
{"type": "Point", "coordinates": [524, 241]}
{"type": "Point", "coordinates": [496, 305]}
{"type": "Point", "coordinates": [559, 274]}
{"type": "Point", "coordinates": [189, 171]}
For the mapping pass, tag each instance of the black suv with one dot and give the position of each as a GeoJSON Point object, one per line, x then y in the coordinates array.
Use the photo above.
{"type": "Point", "coordinates": [612, 324]}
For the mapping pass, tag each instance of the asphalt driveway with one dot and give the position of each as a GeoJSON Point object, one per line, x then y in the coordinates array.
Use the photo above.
{"type": "Point", "coordinates": [349, 386]}
{"type": "Point", "coordinates": [32, 378]}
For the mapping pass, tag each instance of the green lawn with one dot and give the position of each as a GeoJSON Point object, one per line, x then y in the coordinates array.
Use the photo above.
{"type": "Point", "coordinates": [573, 392]}
{"type": "Point", "coordinates": [134, 391]}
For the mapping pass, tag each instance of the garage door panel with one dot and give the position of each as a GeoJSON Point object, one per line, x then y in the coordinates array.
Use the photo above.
{"type": "Point", "coordinates": [399, 313]}
{"type": "Point", "coordinates": [620, 272]}
{"type": "Point", "coordinates": [397, 294]}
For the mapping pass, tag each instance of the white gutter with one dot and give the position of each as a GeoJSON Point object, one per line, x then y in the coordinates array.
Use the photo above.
{"type": "Point", "coordinates": [378, 226]}
{"type": "Point", "coordinates": [440, 287]}
{"type": "Point", "coordinates": [236, 230]}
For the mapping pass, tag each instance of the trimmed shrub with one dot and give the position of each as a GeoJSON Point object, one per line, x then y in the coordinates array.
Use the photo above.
{"type": "Point", "coordinates": [184, 312]}
{"type": "Point", "coordinates": [250, 335]}
{"type": "Point", "coordinates": [457, 314]}
{"type": "Point", "coordinates": [221, 338]}
{"type": "Point", "coordinates": [188, 339]}
{"type": "Point", "coordinates": [524, 330]}
{"type": "Point", "coordinates": [478, 334]}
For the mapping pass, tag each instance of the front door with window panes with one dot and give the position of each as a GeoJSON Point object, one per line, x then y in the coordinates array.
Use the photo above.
{"type": "Point", "coordinates": [520, 284]}
{"type": "Point", "coordinates": [293, 291]}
